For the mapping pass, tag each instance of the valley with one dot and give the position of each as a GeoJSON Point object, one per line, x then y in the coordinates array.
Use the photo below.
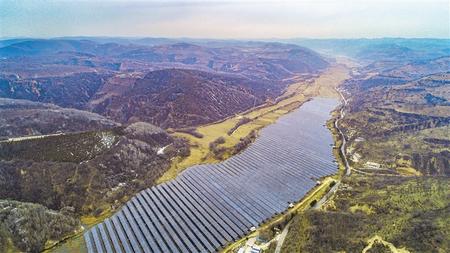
{"type": "Point", "coordinates": [396, 198]}
{"type": "Point", "coordinates": [57, 154]}
{"type": "Point", "coordinates": [174, 85]}
{"type": "Point", "coordinates": [216, 190]}
{"type": "Point", "coordinates": [233, 141]}
{"type": "Point", "coordinates": [106, 138]}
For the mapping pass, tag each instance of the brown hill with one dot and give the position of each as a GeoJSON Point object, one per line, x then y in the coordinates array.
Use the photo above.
{"type": "Point", "coordinates": [179, 97]}
{"type": "Point", "coordinates": [264, 61]}
{"type": "Point", "coordinates": [401, 124]}
{"type": "Point", "coordinates": [86, 171]}
{"type": "Point", "coordinates": [68, 91]}
{"type": "Point", "coordinates": [21, 117]}
{"type": "Point", "coordinates": [269, 61]}
{"type": "Point", "coordinates": [419, 69]}
{"type": "Point", "coordinates": [171, 85]}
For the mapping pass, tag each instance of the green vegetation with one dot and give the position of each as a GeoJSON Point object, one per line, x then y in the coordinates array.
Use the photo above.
{"type": "Point", "coordinates": [278, 223]}
{"type": "Point", "coordinates": [192, 131]}
{"type": "Point", "coordinates": [91, 172]}
{"type": "Point", "coordinates": [244, 142]}
{"type": "Point", "coordinates": [215, 148]}
{"type": "Point", "coordinates": [239, 130]}
{"type": "Point", "coordinates": [397, 125]}
{"type": "Point", "coordinates": [410, 213]}
{"type": "Point", "coordinates": [402, 151]}
{"type": "Point", "coordinates": [32, 227]}
{"type": "Point", "coordinates": [242, 121]}
{"type": "Point", "coordinates": [74, 147]}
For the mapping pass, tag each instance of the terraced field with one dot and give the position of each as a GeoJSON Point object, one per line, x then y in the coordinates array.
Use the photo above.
{"type": "Point", "coordinates": [208, 206]}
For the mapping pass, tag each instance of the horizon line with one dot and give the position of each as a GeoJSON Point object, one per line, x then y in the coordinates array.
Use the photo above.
{"type": "Point", "coordinates": [217, 38]}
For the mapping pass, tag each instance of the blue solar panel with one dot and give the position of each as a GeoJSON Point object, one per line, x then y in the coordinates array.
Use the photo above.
{"type": "Point", "coordinates": [179, 223]}
{"type": "Point", "coordinates": [129, 232]}
{"type": "Point", "coordinates": [214, 215]}
{"type": "Point", "coordinates": [207, 206]}
{"type": "Point", "coordinates": [105, 238]}
{"type": "Point", "coordinates": [140, 201]}
{"type": "Point", "coordinates": [192, 219]}
{"type": "Point", "coordinates": [121, 233]}
{"type": "Point", "coordinates": [113, 235]}
{"type": "Point", "coordinates": [167, 226]}
{"type": "Point", "coordinates": [146, 234]}
{"type": "Point", "coordinates": [97, 240]}
{"type": "Point", "coordinates": [89, 244]}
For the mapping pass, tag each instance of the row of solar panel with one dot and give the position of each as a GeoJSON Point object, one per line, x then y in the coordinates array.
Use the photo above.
{"type": "Point", "coordinates": [208, 206]}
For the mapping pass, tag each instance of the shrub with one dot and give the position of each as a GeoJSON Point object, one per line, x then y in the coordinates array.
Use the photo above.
{"type": "Point", "coordinates": [333, 183]}
{"type": "Point", "coordinates": [241, 122]}
{"type": "Point", "coordinates": [244, 142]}
{"type": "Point", "coordinates": [215, 149]}
{"type": "Point", "coordinates": [192, 131]}
{"type": "Point", "coordinates": [30, 226]}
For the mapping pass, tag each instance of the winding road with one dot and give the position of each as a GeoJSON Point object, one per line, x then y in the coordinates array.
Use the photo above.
{"type": "Point", "coordinates": [344, 141]}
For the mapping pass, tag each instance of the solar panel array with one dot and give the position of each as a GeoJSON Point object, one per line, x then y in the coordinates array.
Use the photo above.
{"type": "Point", "coordinates": [207, 206]}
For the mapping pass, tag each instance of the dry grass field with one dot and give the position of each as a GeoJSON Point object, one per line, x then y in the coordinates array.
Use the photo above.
{"type": "Point", "coordinates": [295, 95]}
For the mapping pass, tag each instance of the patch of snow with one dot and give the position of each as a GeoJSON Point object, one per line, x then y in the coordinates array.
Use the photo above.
{"type": "Point", "coordinates": [107, 140]}
{"type": "Point", "coordinates": [120, 185]}
{"type": "Point", "coordinates": [161, 150]}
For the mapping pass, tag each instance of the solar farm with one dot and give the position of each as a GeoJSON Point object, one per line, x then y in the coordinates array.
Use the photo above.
{"type": "Point", "coordinates": [208, 206]}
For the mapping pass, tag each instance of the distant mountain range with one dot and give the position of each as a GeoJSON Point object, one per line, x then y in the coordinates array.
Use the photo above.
{"type": "Point", "coordinates": [398, 49]}
{"type": "Point", "coordinates": [171, 85]}
{"type": "Point", "coordinates": [78, 114]}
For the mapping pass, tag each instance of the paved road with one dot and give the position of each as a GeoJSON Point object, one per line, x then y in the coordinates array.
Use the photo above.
{"type": "Point", "coordinates": [327, 196]}
{"type": "Point", "coordinates": [316, 206]}
{"type": "Point", "coordinates": [282, 237]}
{"type": "Point", "coordinates": [348, 170]}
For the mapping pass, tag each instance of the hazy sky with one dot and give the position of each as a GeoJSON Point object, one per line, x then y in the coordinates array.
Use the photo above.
{"type": "Point", "coordinates": [226, 19]}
